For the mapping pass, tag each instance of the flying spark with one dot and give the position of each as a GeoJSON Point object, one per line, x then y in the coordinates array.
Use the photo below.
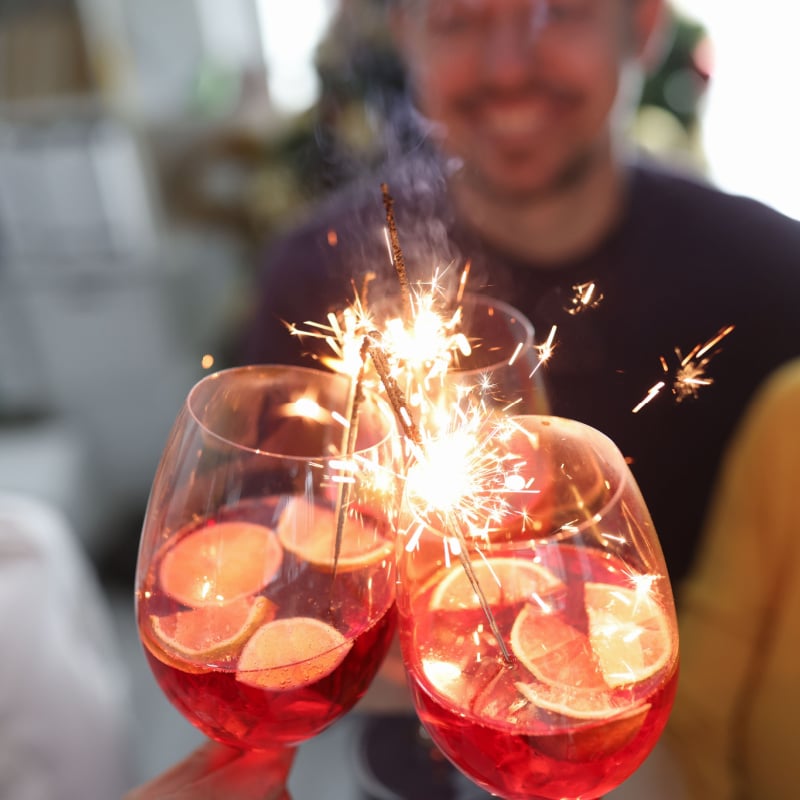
{"type": "Point", "coordinates": [690, 374]}
{"type": "Point", "coordinates": [585, 296]}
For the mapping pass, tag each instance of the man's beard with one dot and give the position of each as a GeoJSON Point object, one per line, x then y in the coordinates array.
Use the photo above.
{"type": "Point", "coordinates": [568, 176]}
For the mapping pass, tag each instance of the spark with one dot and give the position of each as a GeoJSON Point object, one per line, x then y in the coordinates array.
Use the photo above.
{"type": "Point", "coordinates": [585, 296]}
{"type": "Point", "coordinates": [651, 394]}
{"type": "Point", "coordinates": [545, 350]}
{"type": "Point", "coordinates": [462, 471]}
{"type": "Point", "coordinates": [690, 374]}
{"type": "Point", "coordinates": [462, 283]}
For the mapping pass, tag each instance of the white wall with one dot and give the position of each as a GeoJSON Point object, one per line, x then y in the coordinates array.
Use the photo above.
{"type": "Point", "coordinates": [751, 121]}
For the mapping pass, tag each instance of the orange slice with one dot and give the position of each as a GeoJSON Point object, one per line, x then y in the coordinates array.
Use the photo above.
{"type": "Point", "coordinates": [628, 631]}
{"type": "Point", "coordinates": [561, 657]}
{"type": "Point", "coordinates": [502, 580]}
{"type": "Point", "coordinates": [593, 740]}
{"type": "Point", "coordinates": [578, 675]}
{"type": "Point", "coordinates": [209, 633]}
{"type": "Point", "coordinates": [309, 531]}
{"type": "Point", "coordinates": [290, 653]}
{"type": "Point", "coordinates": [220, 562]}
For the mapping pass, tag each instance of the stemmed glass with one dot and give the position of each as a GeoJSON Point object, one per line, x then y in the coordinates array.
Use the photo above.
{"type": "Point", "coordinates": [265, 578]}
{"type": "Point", "coordinates": [501, 371]}
{"type": "Point", "coordinates": [536, 617]}
{"type": "Point", "coordinates": [478, 353]}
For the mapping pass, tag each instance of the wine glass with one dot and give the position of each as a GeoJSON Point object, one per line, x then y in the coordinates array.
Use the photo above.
{"type": "Point", "coordinates": [478, 353]}
{"type": "Point", "coordinates": [536, 617]}
{"type": "Point", "coordinates": [265, 577]}
{"type": "Point", "coordinates": [501, 369]}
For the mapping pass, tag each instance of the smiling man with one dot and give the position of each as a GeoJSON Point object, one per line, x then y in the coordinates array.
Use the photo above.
{"type": "Point", "coordinates": [532, 98]}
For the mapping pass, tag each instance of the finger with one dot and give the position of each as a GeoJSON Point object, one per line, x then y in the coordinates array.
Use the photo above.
{"type": "Point", "coordinates": [204, 759]}
{"type": "Point", "coordinates": [256, 775]}
{"type": "Point", "coordinates": [218, 771]}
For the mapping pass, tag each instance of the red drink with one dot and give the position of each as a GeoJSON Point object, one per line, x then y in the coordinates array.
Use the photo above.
{"type": "Point", "coordinates": [227, 666]}
{"type": "Point", "coordinates": [524, 731]}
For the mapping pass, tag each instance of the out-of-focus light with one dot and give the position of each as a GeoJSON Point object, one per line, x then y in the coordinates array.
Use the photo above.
{"type": "Point", "coordinates": [290, 33]}
{"type": "Point", "coordinates": [751, 122]}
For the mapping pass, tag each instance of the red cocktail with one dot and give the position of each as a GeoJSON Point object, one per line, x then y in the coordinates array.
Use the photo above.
{"type": "Point", "coordinates": [265, 583]}
{"type": "Point", "coordinates": [542, 651]}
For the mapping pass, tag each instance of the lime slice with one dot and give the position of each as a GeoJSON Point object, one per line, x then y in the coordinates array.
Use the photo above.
{"type": "Point", "coordinates": [309, 531]}
{"type": "Point", "coordinates": [290, 653]}
{"type": "Point", "coordinates": [503, 580]}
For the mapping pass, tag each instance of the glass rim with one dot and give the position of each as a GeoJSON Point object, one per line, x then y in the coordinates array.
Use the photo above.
{"type": "Point", "coordinates": [514, 315]}
{"type": "Point", "coordinates": [383, 409]}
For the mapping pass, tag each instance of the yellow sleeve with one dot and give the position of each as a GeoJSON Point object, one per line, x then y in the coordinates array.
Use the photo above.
{"type": "Point", "coordinates": [736, 714]}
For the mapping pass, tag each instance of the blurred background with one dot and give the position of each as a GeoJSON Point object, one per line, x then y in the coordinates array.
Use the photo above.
{"type": "Point", "coordinates": [150, 150]}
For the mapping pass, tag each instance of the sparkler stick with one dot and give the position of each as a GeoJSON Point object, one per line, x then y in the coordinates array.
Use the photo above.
{"type": "Point", "coordinates": [372, 347]}
{"type": "Point", "coordinates": [476, 587]}
{"type": "Point", "coordinates": [462, 283]}
{"type": "Point", "coordinates": [397, 252]}
{"type": "Point", "coordinates": [354, 402]}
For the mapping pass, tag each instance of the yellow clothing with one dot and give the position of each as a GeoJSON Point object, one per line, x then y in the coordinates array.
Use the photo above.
{"type": "Point", "coordinates": [736, 722]}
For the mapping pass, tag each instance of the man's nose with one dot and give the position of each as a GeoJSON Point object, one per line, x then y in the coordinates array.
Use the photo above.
{"type": "Point", "coordinates": [512, 45]}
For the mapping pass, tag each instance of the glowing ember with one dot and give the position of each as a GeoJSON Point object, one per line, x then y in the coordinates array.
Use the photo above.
{"type": "Point", "coordinates": [307, 408]}
{"type": "Point", "coordinates": [545, 350]}
{"type": "Point", "coordinates": [585, 296]}
{"type": "Point", "coordinates": [690, 375]}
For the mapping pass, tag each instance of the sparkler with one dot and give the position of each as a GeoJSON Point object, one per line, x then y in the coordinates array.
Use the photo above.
{"type": "Point", "coordinates": [396, 251]}
{"type": "Point", "coordinates": [455, 474]}
{"type": "Point", "coordinates": [420, 347]}
{"type": "Point", "coordinates": [690, 375]}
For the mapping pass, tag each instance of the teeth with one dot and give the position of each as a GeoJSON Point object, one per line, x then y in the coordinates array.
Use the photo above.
{"type": "Point", "coordinates": [514, 122]}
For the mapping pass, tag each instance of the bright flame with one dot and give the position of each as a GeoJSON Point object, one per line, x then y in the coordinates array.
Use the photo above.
{"type": "Point", "coordinates": [307, 408]}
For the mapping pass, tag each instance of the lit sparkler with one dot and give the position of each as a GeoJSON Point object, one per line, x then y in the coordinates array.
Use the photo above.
{"type": "Point", "coordinates": [456, 473]}
{"type": "Point", "coordinates": [457, 484]}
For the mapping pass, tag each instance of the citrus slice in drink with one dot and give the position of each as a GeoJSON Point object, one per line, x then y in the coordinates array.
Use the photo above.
{"type": "Point", "coordinates": [502, 580]}
{"type": "Point", "coordinates": [582, 676]}
{"type": "Point", "coordinates": [629, 633]}
{"type": "Point", "coordinates": [290, 653]}
{"type": "Point", "coordinates": [220, 562]}
{"type": "Point", "coordinates": [309, 531]}
{"type": "Point", "coordinates": [208, 633]}
{"type": "Point", "coordinates": [560, 657]}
